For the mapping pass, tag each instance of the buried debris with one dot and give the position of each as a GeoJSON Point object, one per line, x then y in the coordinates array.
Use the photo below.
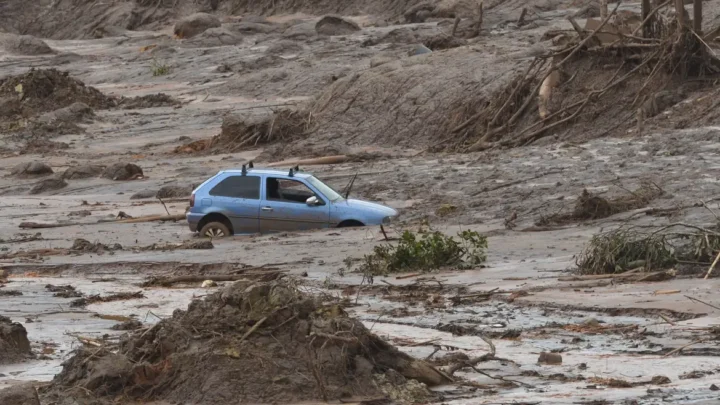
{"type": "Point", "coordinates": [426, 251]}
{"type": "Point", "coordinates": [243, 131]}
{"type": "Point", "coordinates": [266, 343]}
{"type": "Point", "coordinates": [589, 206]}
{"type": "Point", "coordinates": [92, 299]}
{"type": "Point", "coordinates": [63, 291]}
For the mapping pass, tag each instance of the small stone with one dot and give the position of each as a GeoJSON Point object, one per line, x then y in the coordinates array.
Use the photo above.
{"type": "Point", "coordinates": [208, 284]}
{"type": "Point", "coordinates": [550, 358]}
{"type": "Point", "coordinates": [714, 387]}
{"type": "Point", "coordinates": [583, 366]}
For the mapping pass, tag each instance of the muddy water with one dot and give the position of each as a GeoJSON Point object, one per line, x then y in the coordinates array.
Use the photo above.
{"type": "Point", "coordinates": [54, 325]}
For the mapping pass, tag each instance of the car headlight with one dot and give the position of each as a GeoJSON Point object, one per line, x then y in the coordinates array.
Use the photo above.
{"type": "Point", "coordinates": [387, 220]}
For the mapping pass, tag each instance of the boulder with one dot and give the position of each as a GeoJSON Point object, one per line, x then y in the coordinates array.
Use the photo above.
{"type": "Point", "coordinates": [122, 171]}
{"type": "Point", "coordinates": [31, 169]}
{"type": "Point", "coordinates": [195, 24]}
{"type": "Point", "coordinates": [75, 112]}
{"type": "Point", "coordinates": [82, 172]}
{"type": "Point", "coordinates": [48, 185]}
{"type": "Point", "coordinates": [25, 45]}
{"type": "Point", "coordinates": [140, 195]}
{"type": "Point", "coordinates": [216, 37]}
{"type": "Point", "coordinates": [335, 25]}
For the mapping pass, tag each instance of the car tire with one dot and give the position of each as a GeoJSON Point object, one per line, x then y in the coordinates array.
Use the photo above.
{"type": "Point", "coordinates": [215, 230]}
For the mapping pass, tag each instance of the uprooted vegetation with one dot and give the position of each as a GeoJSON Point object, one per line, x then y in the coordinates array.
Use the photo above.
{"type": "Point", "coordinates": [575, 88]}
{"type": "Point", "coordinates": [245, 131]}
{"type": "Point", "coordinates": [254, 343]}
{"type": "Point", "coordinates": [426, 251]}
{"type": "Point", "coordinates": [649, 249]}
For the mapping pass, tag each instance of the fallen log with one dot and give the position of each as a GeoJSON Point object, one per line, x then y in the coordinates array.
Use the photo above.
{"type": "Point", "coordinates": [325, 160]}
{"type": "Point", "coordinates": [632, 275]}
{"type": "Point", "coordinates": [147, 218]}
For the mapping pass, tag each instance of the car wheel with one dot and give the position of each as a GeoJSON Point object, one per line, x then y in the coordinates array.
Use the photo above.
{"type": "Point", "coordinates": [215, 230]}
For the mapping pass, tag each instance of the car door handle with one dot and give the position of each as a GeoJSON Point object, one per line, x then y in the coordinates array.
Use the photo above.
{"type": "Point", "coordinates": [266, 208]}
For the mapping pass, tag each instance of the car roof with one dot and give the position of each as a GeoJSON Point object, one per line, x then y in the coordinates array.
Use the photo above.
{"type": "Point", "coordinates": [279, 173]}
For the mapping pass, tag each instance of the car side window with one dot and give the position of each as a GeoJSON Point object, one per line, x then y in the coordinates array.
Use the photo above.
{"type": "Point", "coordinates": [247, 187]}
{"type": "Point", "coordinates": [287, 190]}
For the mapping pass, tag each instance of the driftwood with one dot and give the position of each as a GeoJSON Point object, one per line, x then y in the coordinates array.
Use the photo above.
{"type": "Point", "coordinates": [632, 275]}
{"type": "Point", "coordinates": [149, 218]}
{"type": "Point", "coordinates": [325, 160]}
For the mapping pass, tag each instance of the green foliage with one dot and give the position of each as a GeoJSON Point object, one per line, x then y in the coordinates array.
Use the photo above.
{"type": "Point", "coordinates": [621, 250]}
{"type": "Point", "coordinates": [160, 68]}
{"type": "Point", "coordinates": [426, 251]}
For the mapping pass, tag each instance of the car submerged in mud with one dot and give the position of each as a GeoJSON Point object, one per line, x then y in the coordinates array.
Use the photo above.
{"type": "Point", "coordinates": [252, 200]}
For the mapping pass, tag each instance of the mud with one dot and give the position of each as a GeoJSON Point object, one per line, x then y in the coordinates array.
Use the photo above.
{"type": "Point", "coordinates": [358, 94]}
{"type": "Point", "coordinates": [14, 343]}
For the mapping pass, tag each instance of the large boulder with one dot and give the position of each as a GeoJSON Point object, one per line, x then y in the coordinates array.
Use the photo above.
{"type": "Point", "coordinates": [175, 191]}
{"type": "Point", "coordinates": [29, 169]}
{"type": "Point", "coordinates": [25, 45]}
{"type": "Point", "coordinates": [335, 25]}
{"type": "Point", "coordinates": [195, 24]}
{"type": "Point", "coordinates": [82, 172]}
{"type": "Point", "coordinates": [122, 171]}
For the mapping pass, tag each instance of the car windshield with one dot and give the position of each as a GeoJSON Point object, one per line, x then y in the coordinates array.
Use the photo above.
{"type": "Point", "coordinates": [326, 190]}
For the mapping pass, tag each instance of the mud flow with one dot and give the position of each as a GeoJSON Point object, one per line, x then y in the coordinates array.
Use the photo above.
{"type": "Point", "coordinates": [554, 164]}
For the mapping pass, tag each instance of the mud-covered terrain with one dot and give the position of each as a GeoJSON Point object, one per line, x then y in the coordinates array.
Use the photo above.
{"type": "Point", "coordinates": [112, 112]}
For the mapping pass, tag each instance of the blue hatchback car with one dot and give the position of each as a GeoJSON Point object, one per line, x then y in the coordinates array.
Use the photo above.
{"type": "Point", "coordinates": [260, 201]}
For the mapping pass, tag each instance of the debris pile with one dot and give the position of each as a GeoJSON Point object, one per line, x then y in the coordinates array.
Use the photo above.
{"type": "Point", "coordinates": [254, 343]}
{"type": "Point", "coordinates": [245, 131]}
{"type": "Point", "coordinates": [85, 246]}
{"type": "Point", "coordinates": [14, 344]}
{"type": "Point", "coordinates": [122, 171]}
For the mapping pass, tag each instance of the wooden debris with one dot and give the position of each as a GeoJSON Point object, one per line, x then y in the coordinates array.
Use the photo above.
{"type": "Point", "coordinates": [169, 281]}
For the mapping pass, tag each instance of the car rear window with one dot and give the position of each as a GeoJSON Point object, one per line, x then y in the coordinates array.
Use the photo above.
{"type": "Point", "coordinates": [247, 187]}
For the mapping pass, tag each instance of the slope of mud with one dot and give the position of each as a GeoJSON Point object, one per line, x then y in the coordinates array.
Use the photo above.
{"type": "Point", "coordinates": [260, 343]}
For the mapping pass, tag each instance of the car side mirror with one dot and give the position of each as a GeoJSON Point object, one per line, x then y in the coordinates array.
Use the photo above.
{"type": "Point", "coordinates": [312, 201]}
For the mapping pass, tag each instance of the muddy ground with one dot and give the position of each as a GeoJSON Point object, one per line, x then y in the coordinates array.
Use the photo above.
{"type": "Point", "coordinates": [613, 337]}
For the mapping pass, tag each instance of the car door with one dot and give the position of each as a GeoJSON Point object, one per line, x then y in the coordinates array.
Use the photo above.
{"type": "Point", "coordinates": [284, 207]}
{"type": "Point", "coordinates": [238, 198]}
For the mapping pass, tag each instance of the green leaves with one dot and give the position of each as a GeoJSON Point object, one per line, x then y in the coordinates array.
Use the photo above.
{"type": "Point", "coordinates": [427, 251]}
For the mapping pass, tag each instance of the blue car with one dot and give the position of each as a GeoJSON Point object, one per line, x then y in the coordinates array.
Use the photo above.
{"type": "Point", "coordinates": [260, 201]}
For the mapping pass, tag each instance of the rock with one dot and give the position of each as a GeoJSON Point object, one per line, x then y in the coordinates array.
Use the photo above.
{"type": "Point", "coordinates": [660, 380]}
{"type": "Point", "coordinates": [714, 387]}
{"type": "Point", "coordinates": [23, 394]}
{"type": "Point", "coordinates": [14, 344]}
{"type": "Point", "coordinates": [25, 45]}
{"type": "Point", "coordinates": [195, 24]}
{"type": "Point", "coordinates": [122, 171]}
{"type": "Point", "coordinates": [208, 284]}
{"type": "Point", "coordinates": [144, 194]}
{"type": "Point", "coordinates": [82, 172]}
{"type": "Point", "coordinates": [31, 169]}
{"type": "Point", "coordinates": [48, 185]}
{"type": "Point", "coordinates": [174, 191]}
{"type": "Point", "coordinates": [550, 358]}
{"type": "Point", "coordinates": [335, 25]}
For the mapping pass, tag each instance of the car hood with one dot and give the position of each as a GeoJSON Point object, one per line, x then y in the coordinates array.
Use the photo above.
{"type": "Point", "coordinates": [366, 206]}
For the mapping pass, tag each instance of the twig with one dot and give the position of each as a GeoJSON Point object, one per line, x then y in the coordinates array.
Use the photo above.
{"type": "Point", "coordinates": [333, 337]}
{"type": "Point", "coordinates": [702, 302]}
{"type": "Point", "coordinates": [666, 319]}
{"type": "Point", "coordinates": [253, 329]}
{"type": "Point", "coordinates": [712, 266]}
{"type": "Point", "coordinates": [679, 349]}
{"type": "Point", "coordinates": [649, 16]}
{"type": "Point", "coordinates": [474, 361]}
{"type": "Point", "coordinates": [164, 206]}
{"type": "Point", "coordinates": [502, 378]}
